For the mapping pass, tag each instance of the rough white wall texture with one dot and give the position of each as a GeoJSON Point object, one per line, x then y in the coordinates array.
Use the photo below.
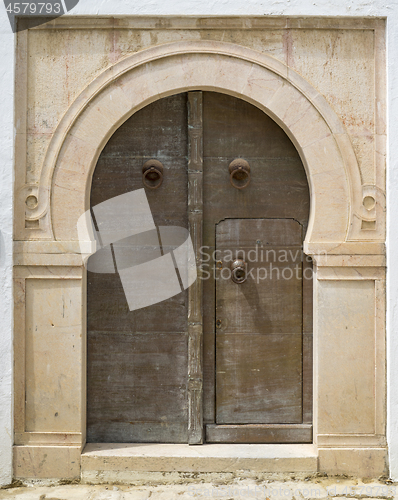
{"type": "Point", "coordinates": [6, 182]}
{"type": "Point", "coordinates": [205, 8]}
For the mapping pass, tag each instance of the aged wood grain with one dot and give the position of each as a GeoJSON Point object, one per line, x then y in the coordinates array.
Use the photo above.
{"type": "Point", "coordinates": [255, 433]}
{"type": "Point", "coordinates": [148, 379]}
{"type": "Point", "coordinates": [307, 339]}
{"type": "Point", "coordinates": [259, 323]}
{"type": "Point", "coordinates": [195, 312]}
{"type": "Point", "coordinates": [137, 377]}
{"type": "Point", "coordinates": [278, 190]}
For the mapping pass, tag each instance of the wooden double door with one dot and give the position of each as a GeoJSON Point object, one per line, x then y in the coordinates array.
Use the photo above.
{"type": "Point", "coordinates": [229, 359]}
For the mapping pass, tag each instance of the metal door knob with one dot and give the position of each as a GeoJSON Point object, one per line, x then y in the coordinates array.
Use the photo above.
{"type": "Point", "coordinates": [152, 174]}
{"type": "Point", "coordinates": [239, 173]}
{"type": "Point", "coordinates": [239, 268]}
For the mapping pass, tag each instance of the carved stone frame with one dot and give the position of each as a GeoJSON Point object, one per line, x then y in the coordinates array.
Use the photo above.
{"type": "Point", "coordinates": [349, 260]}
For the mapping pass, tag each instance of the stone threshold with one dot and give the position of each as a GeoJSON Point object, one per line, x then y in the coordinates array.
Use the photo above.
{"type": "Point", "coordinates": [101, 460]}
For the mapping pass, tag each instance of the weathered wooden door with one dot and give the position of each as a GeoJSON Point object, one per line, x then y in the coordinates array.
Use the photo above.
{"type": "Point", "coordinates": [137, 360]}
{"type": "Point", "coordinates": [228, 360]}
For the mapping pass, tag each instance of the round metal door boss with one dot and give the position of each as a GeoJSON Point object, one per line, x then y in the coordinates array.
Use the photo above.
{"type": "Point", "coordinates": [239, 173]}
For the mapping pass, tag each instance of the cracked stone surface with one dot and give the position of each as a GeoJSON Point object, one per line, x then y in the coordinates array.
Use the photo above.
{"type": "Point", "coordinates": [288, 489]}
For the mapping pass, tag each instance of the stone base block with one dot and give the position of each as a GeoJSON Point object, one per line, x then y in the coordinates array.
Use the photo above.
{"type": "Point", "coordinates": [47, 462]}
{"type": "Point", "coordinates": [358, 462]}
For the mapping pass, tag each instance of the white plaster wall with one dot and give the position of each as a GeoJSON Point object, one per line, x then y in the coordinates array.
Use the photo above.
{"type": "Point", "coordinates": [6, 182]}
{"type": "Point", "coordinates": [203, 7]}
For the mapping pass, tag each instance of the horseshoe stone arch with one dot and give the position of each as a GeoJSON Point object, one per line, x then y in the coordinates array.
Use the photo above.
{"type": "Point", "coordinates": [349, 260]}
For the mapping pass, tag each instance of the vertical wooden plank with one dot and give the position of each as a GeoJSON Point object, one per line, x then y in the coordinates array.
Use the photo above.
{"type": "Point", "coordinates": [195, 313]}
{"type": "Point", "coordinates": [307, 339]}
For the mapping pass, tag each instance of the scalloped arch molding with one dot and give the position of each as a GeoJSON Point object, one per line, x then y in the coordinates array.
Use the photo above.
{"type": "Point", "coordinates": [134, 82]}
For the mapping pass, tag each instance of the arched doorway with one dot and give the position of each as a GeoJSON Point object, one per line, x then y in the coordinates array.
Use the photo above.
{"type": "Point", "coordinates": [257, 335]}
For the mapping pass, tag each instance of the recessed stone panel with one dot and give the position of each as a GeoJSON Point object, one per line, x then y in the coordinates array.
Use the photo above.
{"type": "Point", "coordinates": [53, 355]}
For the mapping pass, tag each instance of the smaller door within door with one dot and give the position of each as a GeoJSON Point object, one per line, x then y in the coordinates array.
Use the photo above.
{"type": "Point", "coordinates": [259, 311]}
